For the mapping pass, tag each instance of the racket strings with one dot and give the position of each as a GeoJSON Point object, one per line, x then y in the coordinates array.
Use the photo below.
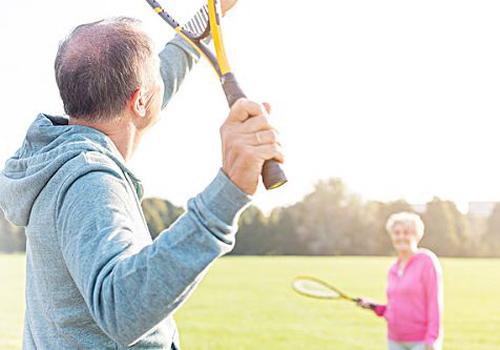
{"type": "Point", "coordinates": [314, 288]}
{"type": "Point", "coordinates": [198, 25]}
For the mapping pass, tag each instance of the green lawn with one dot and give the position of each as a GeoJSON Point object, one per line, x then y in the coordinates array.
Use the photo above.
{"type": "Point", "coordinates": [246, 303]}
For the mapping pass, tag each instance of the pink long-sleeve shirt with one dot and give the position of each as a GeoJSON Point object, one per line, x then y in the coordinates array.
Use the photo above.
{"type": "Point", "coordinates": [414, 300]}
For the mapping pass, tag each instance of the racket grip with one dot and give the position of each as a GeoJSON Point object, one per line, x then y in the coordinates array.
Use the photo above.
{"type": "Point", "coordinates": [372, 306]}
{"type": "Point", "coordinates": [231, 89]}
{"type": "Point", "coordinates": [273, 175]}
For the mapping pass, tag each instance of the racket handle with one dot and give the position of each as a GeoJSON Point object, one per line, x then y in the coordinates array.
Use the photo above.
{"type": "Point", "coordinates": [372, 306]}
{"type": "Point", "coordinates": [273, 175]}
{"type": "Point", "coordinates": [231, 89]}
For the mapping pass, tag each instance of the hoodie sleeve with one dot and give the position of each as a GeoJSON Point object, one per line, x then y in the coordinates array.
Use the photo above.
{"type": "Point", "coordinates": [433, 285]}
{"type": "Point", "coordinates": [176, 60]}
{"type": "Point", "coordinates": [129, 283]}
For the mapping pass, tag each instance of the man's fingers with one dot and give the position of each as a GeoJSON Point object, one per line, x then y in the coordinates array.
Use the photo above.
{"type": "Point", "coordinates": [255, 124]}
{"type": "Point", "coordinates": [271, 151]}
{"type": "Point", "coordinates": [263, 137]}
{"type": "Point", "coordinates": [248, 140]}
{"type": "Point", "coordinates": [253, 132]}
{"type": "Point", "coordinates": [244, 109]}
{"type": "Point", "coordinates": [226, 5]}
{"type": "Point", "coordinates": [267, 106]}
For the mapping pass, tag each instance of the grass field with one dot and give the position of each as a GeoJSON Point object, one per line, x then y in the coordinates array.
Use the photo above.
{"type": "Point", "coordinates": [246, 303]}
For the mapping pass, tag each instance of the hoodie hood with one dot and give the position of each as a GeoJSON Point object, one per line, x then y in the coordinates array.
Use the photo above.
{"type": "Point", "coordinates": [50, 142]}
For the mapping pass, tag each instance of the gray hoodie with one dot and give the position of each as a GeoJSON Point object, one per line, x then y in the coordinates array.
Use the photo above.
{"type": "Point", "coordinates": [95, 279]}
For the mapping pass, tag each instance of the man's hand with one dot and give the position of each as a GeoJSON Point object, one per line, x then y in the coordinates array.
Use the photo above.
{"type": "Point", "coordinates": [248, 140]}
{"type": "Point", "coordinates": [226, 5]}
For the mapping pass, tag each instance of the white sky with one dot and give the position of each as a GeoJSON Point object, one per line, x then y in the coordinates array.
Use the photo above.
{"type": "Point", "coordinates": [398, 98]}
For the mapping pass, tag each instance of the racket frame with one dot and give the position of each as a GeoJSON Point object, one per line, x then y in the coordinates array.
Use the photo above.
{"type": "Point", "coordinates": [341, 295]}
{"type": "Point", "coordinates": [272, 174]}
{"type": "Point", "coordinates": [195, 42]}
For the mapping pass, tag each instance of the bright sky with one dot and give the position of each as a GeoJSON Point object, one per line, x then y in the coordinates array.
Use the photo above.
{"type": "Point", "coordinates": [400, 99]}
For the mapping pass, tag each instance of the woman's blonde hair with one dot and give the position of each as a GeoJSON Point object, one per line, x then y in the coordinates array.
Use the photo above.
{"type": "Point", "coordinates": [407, 219]}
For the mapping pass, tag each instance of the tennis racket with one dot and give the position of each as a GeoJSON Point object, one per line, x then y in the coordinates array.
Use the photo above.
{"type": "Point", "coordinates": [206, 22]}
{"type": "Point", "coordinates": [315, 288]}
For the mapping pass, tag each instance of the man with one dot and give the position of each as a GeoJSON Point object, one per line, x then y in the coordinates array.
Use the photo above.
{"type": "Point", "coordinates": [95, 280]}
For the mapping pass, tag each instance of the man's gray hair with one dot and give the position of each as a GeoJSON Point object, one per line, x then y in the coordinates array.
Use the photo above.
{"type": "Point", "coordinates": [100, 65]}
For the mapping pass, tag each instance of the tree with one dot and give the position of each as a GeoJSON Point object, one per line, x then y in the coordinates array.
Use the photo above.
{"type": "Point", "coordinates": [12, 238]}
{"type": "Point", "coordinates": [327, 221]}
{"type": "Point", "coordinates": [159, 214]}
{"type": "Point", "coordinates": [378, 213]}
{"type": "Point", "coordinates": [491, 239]}
{"type": "Point", "coordinates": [442, 233]}
{"type": "Point", "coordinates": [254, 237]}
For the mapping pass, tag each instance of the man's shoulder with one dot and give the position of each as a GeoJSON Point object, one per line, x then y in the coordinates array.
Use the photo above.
{"type": "Point", "coordinates": [98, 159]}
{"type": "Point", "coordinates": [91, 169]}
{"type": "Point", "coordinates": [88, 161]}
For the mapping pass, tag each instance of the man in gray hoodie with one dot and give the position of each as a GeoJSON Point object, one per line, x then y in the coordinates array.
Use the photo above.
{"type": "Point", "coordinates": [95, 279]}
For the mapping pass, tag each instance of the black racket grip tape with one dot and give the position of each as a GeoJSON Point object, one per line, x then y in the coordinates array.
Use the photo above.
{"type": "Point", "coordinates": [372, 306]}
{"type": "Point", "coordinates": [272, 174]}
{"type": "Point", "coordinates": [232, 89]}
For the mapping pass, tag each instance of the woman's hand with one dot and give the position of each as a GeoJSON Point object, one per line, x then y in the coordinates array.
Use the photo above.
{"type": "Point", "coordinates": [365, 303]}
{"type": "Point", "coordinates": [429, 347]}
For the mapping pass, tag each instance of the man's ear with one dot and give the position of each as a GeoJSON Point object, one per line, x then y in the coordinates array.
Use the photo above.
{"type": "Point", "coordinates": [138, 102]}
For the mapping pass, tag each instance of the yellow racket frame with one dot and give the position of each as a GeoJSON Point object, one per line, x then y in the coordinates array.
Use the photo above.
{"type": "Point", "coordinates": [217, 36]}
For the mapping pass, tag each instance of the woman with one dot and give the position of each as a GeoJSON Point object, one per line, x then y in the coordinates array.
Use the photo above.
{"type": "Point", "coordinates": [414, 293]}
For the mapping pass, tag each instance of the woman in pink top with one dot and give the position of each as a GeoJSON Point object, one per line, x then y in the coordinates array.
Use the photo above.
{"type": "Point", "coordinates": [414, 292]}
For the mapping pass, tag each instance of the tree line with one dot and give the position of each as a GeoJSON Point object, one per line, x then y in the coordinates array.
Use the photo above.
{"type": "Point", "coordinates": [330, 220]}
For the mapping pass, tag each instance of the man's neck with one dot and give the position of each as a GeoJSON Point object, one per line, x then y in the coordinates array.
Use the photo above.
{"type": "Point", "coordinates": [121, 130]}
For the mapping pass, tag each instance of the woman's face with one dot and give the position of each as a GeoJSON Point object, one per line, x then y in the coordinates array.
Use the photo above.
{"type": "Point", "coordinates": [403, 238]}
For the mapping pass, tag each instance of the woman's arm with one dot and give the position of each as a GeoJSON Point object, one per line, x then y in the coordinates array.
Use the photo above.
{"type": "Point", "coordinates": [433, 284]}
